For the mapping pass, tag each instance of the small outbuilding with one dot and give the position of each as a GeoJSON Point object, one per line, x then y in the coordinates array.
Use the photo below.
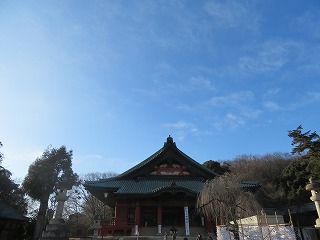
{"type": "Point", "coordinates": [10, 220]}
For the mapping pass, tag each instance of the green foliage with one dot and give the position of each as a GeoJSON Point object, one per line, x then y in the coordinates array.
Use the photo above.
{"type": "Point", "coordinates": [297, 174]}
{"type": "Point", "coordinates": [295, 178]}
{"type": "Point", "coordinates": [306, 144]}
{"type": "Point", "coordinates": [53, 166]}
{"type": "Point", "coordinates": [43, 175]}
{"type": "Point", "coordinates": [1, 155]}
{"type": "Point", "coordinates": [10, 192]}
{"type": "Point", "coordinates": [216, 167]}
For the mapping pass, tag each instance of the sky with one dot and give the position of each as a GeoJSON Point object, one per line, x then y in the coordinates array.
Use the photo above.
{"type": "Point", "coordinates": [111, 80]}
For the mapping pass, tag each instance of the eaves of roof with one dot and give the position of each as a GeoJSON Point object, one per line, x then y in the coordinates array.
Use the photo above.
{"type": "Point", "coordinates": [147, 187]}
{"type": "Point", "coordinates": [307, 207]}
{"type": "Point", "coordinates": [9, 212]}
{"type": "Point", "coordinates": [249, 184]}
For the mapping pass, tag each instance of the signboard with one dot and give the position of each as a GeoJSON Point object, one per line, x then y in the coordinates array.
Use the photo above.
{"type": "Point", "coordinates": [186, 220]}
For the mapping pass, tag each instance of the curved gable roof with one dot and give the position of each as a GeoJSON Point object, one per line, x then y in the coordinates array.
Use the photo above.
{"type": "Point", "coordinates": [168, 153]}
{"type": "Point", "coordinates": [143, 180]}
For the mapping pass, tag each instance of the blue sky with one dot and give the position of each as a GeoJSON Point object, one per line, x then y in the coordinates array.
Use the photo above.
{"type": "Point", "coordinates": [112, 79]}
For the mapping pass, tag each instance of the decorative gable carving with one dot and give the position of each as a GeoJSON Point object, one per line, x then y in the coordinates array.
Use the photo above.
{"type": "Point", "coordinates": [170, 169]}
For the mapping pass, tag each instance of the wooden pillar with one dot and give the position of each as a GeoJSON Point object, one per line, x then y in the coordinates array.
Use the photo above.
{"type": "Point", "coordinates": [116, 215]}
{"type": "Point", "coordinates": [137, 219]}
{"type": "Point", "coordinates": [159, 220]}
{"type": "Point", "coordinates": [116, 209]}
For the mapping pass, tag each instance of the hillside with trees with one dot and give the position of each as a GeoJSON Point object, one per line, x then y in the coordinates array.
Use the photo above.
{"type": "Point", "coordinates": [282, 176]}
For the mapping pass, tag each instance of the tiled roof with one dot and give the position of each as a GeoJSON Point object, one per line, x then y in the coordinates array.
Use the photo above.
{"type": "Point", "coordinates": [307, 207]}
{"type": "Point", "coordinates": [147, 186]}
{"type": "Point", "coordinates": [250, 184]}
{"type": "Point", "coordinates": [9, 212]}
{"type": "Point", "coordinates": [139, 180]}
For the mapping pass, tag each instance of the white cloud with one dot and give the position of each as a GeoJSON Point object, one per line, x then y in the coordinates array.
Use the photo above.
{"type": "Point", "coordinates": [182, 129]}
{"type": "Point", "coordinates": [270, 56]}
{"type": "Point", "coordinates": [314, 96]}
{"type": "Point", "coordinates": [272, 92]}
{"type": "Point", "coordinates": [180, 125]}
{"type": "Point", "coordinates": [308, 98]}
{"type": "Point", "coordinates": [233, 14]}
{"type": "Point", "coordinates": [234, 121]}
{"type": "Point", "coordinates": [201, 83]}
{"type": "Point", "coordinates": [249, 112]}
{"type": "Point", "coordinates": [185, 107]}
{"type": "Point", "coordinates": [235, 98]}
{"type": "Point", "coordinates": [167, 79]}
{"type": "Point", "coordinates": [270, 105]}
{"type": "Point", "coordinates": [233, 110]}
{"type": "Point", "coordinates": [228, 122]}
{"type": "Point", "coordinates": [309, 22]}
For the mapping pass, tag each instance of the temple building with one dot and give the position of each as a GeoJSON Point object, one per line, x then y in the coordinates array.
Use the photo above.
{"type": "Point", "coordinates": [158, 194]}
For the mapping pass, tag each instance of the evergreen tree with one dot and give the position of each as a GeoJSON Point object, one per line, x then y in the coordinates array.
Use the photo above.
{"type": "Point", "coordinates": [10, 192]}
{"type": "Point", "coordinates": [307, 165]}
{"type": "Point", "coordinates": [44, 173]}
{"type": "Point", "coordinates": [216, 167]}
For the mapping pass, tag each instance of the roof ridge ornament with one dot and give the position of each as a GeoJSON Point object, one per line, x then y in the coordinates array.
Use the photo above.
{"type": "Point", "coordinates": [169, 141]}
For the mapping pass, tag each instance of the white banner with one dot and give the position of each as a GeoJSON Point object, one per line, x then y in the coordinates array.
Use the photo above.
{"type": "Point", "coordinates": [186, 220]}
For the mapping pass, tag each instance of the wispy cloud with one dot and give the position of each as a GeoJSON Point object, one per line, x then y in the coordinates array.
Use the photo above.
{"type": "Point", "coordinates": [305, 99]}
{"type": "Point", "coordinates": [185, 107]}
{"type": "Point", "coordinates": [270, 56]}
{"type": "Point", "coordinates": [233, 14]}
{"type": "Point", "coordinates": [272, 106]}
{"type": "Point", "coordinates": [314, 96]}
{"type": "Point", "coordinates": [271, 92]}
{"type": "Point", "coordinates": [182, 128]}
{"type": "Point", "coordinates": [233, 110]}
{"type": "Point", "coordinates": [271, 102]}
{"type": "Point", "coordinates": [234, 121]}
{"type": "Point", "coordinates": [309, 22]}
{"type": "Point", "coordinates": [228, 122]}
{"type": "Point", "coordinates": [181, 125]}
{"type": "Point", "coordinates": [233, 99]}
{"type": "Point", "coordinates": [201, 83]}
{"type": "Point", "coordinates": [167, 79]}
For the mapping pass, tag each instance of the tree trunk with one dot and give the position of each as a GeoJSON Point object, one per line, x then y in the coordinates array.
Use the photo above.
{"type": "Point", "coordinates": [41, 218]}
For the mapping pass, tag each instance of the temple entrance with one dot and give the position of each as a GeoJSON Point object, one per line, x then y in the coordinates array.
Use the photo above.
{"type": "Point", "coordinates": [148, 216]}
{"type": "Point", "coordinates": [172, 216]}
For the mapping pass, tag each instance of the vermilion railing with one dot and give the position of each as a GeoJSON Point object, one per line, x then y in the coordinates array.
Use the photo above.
{"type": "Point", "coordinates": [115, 226]}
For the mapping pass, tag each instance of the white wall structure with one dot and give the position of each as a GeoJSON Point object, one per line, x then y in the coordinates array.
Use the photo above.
{"type": "Point", "coordinates": [258, 232]}
{"type": "Point", "coordinates": [259, 227]}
